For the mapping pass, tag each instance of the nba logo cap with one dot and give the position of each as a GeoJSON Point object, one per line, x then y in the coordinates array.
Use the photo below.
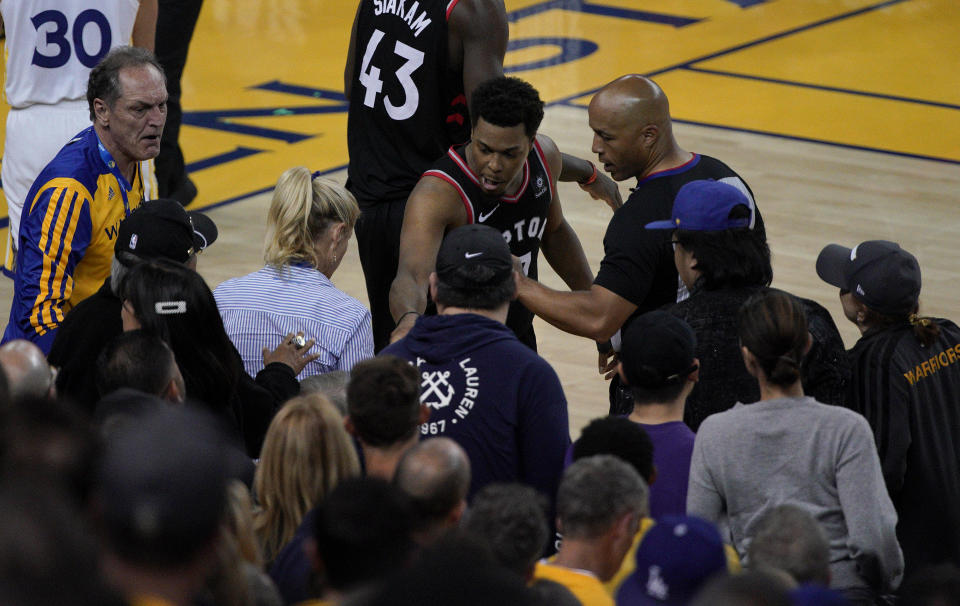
{"type": "Point", "coordinates": [705, 206]}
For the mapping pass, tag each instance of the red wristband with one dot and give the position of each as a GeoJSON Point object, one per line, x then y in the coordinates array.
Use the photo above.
{"type": "Point", "coordinates": [593, 177]}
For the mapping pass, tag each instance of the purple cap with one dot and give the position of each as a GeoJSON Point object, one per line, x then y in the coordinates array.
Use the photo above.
{"type": "Point", "coordinates": [676, 557]}
{"type": "Point", "coordinates": [705, 206]}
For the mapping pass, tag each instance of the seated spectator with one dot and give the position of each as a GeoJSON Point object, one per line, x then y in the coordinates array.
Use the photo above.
{"type": "Point", "coordinates": [486, 390]}
{"type": "Point", "coordinates": [361, 534]}
{"type": "Point", "coordinates": [751, 458]}
{"type": "Point", "coordinates": [600, 503]}
{"type": "Point", "coordinates": [457, 571]}
{"type": "Point", "coordinates": [629, 442]}
{"type": "Point", "coordinates": [752, 588]}
{"type": "Point", "coordinates": [933, 586]}
{"type": "Point", "coordinates": [906, 377]}
{"type": "Point", "coordinates": [305, 454]}
{"type": "Point", "coordinates": [27, 372]}
{"type": "Point", "coordinates": [161, 486]}
{"type": "Point", "coordinates": [50, 441]}
{"type": "Point", "coordinates": [676, 557]}
{"type": "Point", "coordinates": [308, 227]}
{"type": "Point", "coordinates": [434, 475]}
{"type": "Point", "coordinates": [331, 384]}
{"type": "Point", "coordinates": [511, 520]}
{"type": "Point", "coordinates": [722, 260]}
{"type": "Point", "coordinates": [159, 229]}
{"type": "Point", "coordinates": [384, 412]}
{"type": "Point", "coordinates": [788, 538]}
{"type": "Point", "coordinates": [140, 361]}
{"type": "Point", "coordinates": [173, 302]}
{"type": "Point", "coordinates": [658, 365]}
{"type": "Point", "coordinates": [48, 554]}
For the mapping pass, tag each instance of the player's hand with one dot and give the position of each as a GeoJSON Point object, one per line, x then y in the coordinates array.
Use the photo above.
{"type": "Point", "coordinates": [607, 364]}
{"type": "Point", "coordinates": [291, 352]}
{"type": "Point", "coordinates": [604, 188]}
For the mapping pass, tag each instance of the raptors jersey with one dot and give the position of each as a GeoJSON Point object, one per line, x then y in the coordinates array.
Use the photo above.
{"type": "Point", "coordinates": [406, 105]}
{"type": "Point", "coordinates": [521, 217]}
{"type": "Point", "coordinates": [53, 44]}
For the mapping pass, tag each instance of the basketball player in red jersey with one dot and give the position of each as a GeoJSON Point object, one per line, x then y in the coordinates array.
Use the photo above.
{"type": "Point", "coordinates": [411, 67]}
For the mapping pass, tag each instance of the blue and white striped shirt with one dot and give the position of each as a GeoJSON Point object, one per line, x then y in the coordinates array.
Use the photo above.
{"type": "Point", "coordinates": [259, 309]}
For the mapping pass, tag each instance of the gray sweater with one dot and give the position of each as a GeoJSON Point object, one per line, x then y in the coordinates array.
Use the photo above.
{"type": "Point", "coordinates": [754, 457]}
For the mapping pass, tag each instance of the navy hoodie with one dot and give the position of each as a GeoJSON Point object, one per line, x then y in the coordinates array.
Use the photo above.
{"type": "Point", "coordinates": [491, 394]}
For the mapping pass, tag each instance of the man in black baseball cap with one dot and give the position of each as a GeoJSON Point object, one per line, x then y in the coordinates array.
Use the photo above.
{"type": "Point", "coordinates": [157, 229]}
{"type": "Point", "coordinates": [658, 364]}
{"type": "Point", "coordinates": [161, 496]}
{"type": "Point", "coordinates": [485, 389]}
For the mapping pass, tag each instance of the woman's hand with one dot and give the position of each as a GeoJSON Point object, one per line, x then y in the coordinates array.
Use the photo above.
{"type": "Point", "coordinates": [293, 351]}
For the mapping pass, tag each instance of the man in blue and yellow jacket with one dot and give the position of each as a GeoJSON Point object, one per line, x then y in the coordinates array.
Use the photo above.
{"type": "Point", "coordinates": [75, 206]}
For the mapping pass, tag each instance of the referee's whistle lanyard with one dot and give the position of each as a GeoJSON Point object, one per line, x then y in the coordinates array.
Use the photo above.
{"type": "Point", "coordinates": [112, 165]}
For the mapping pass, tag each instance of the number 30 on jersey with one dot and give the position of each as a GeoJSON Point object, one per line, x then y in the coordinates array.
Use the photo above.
{"type": "Point", "coordinates": [371, 81]}
{"type": "Point", "coordinates": [53, 26]}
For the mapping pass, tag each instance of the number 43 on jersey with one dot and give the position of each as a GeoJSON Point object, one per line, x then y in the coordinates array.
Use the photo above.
{"type": "Point", "coordinates": [371, 81]}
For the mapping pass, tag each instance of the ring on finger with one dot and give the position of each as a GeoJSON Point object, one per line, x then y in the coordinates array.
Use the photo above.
{"type": "Point", "coordinates": [298, 341]}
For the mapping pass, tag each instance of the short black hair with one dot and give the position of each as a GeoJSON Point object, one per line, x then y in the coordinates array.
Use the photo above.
{"type": "Point", "coordinates": [104, 81]}
{"type": "Point", "coordinates": [732, 258]}
{"type": "Point", "coordinates": [134, 359]}
{"type": "Point", "coordinates": [658, 395]}
{"type": "Point", "coordinates": [506, 102]}
{"type": "Point", "coordinates": [488, 297]}
{"type": "Point", "coordinates": [383, 400]}
{"type": "Point", "coordinates": [362, 530]}
{"type": "Point", "coordinates": [620, 437]}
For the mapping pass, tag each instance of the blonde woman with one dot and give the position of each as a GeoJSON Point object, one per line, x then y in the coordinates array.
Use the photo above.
{"type": "Point", "coordinates": [306, 453]}
{"type": "Point", "coordinates": [308, 227]}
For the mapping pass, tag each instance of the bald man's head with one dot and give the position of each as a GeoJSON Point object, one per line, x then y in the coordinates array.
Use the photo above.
{"type": "Point", "coordinates": [630, 118]}
{"type": "Point", "coordinates": [27, 371]}
{"type": "Point", "coordinates": [435, 475]}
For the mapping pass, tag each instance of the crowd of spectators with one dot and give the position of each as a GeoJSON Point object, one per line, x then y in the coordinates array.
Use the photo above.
{"type": "Point", "coordinates": [219, 448]}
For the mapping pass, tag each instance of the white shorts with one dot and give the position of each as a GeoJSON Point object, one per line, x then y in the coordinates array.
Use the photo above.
{"type": "Point", "coordinates": [34, 136]}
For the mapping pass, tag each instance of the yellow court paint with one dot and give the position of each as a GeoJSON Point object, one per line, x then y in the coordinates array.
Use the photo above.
{"type": "Point", "coordinates": [760, 66]}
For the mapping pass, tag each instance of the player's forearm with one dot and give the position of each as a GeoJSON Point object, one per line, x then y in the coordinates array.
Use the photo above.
{"type": "Point", "coordinates": [576, 169]}
{"type": "Point", "coordinates": [563, 251]}
{"type": "Point", "coordinates": [407, 294]}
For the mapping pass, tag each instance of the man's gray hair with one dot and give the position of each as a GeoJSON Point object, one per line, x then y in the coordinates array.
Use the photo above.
{"type": "Point", "coordinates": [332, 384]}
{"type": "Point", "coordinates": [118, 271]}
{"type": "Point", "coordinates": [595, 492]}
{"type": "Point", "coordinates": [788, 538]}
{"type": "Point", "coordinates": [104, 81]}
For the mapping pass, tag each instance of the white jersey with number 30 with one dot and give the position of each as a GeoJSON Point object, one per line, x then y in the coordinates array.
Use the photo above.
{"type": "Point", "coordinates": [53, 44]}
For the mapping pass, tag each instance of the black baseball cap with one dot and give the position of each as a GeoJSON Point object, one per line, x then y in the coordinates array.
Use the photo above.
{"type": "Point", "coordinates": [474, 256]}
{"type": "Point", "coordinates": [162, 228]}
{"type": "Point", "coordinates": [879, 273]}
{"type": "Point", "coordinates": [162, 485]}
{"type": "Point", "coordinates": [657, 350]}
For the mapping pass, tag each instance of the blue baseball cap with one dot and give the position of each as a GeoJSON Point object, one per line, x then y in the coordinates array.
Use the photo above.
{"type": "Point", "coordinates": [675, 559]}
{"type": "Point", "coordinates": [705, 206]}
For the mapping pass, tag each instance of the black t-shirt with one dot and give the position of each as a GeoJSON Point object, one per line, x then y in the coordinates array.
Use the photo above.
{"type": "Point", "coordinates": [638, 263]}
{"type": "Point", "coordinates": [521, 217]}
{"type": "Point", "coordinates": [910, 395]}
{"type": "Point", "coordinates": [407, 105]}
